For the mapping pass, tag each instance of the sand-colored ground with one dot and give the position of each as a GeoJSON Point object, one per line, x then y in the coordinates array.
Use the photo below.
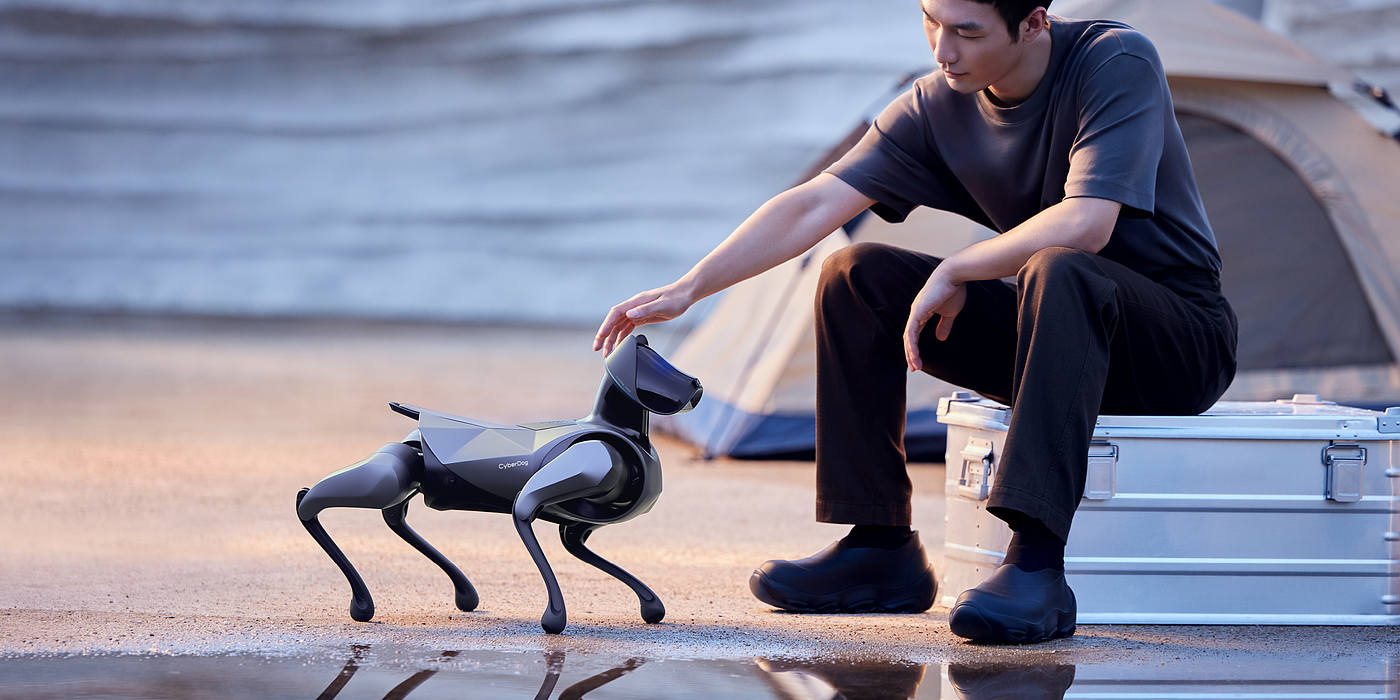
{"type": "Point", "coordinates": [149, 469]}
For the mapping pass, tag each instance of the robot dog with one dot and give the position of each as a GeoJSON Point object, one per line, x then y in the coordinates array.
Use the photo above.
{"type": "Point", "coordinates": [580, 474]}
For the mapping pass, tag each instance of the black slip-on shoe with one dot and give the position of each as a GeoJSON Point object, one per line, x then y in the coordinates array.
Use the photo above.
{"type": "Point", "coordinates": [842, 579]}
{"type": "Point", "coordinates": [856, 679]}
{"type": "Point", "coordinates": [1015, 607]}
{"type": "Point", "coordinates": [1015, 682]}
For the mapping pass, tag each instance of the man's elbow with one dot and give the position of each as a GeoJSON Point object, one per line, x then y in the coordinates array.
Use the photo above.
{"type": "Point", "coordinates": [1093, 222]}
{"type": "Point", "coordinates": [1097, 237]}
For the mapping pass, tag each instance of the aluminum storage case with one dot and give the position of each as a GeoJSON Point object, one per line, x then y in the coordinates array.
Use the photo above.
{"type": "Point", "coordinates": [1279, 513]}
{"type": "Point", "coordinates": [1242, 677]}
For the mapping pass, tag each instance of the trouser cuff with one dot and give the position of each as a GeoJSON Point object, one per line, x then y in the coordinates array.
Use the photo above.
{"type": "Point", "coordinates": [863, 513]}
{"type": "Point", "coordinates": [1035, 506]}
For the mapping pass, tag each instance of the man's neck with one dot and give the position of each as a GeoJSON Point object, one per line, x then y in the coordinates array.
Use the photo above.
{"type": "Point", "coordinates": [1021, 82]}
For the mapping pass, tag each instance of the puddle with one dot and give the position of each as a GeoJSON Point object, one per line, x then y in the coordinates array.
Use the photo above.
{"type": "Point", "coordinates": [362, 672]}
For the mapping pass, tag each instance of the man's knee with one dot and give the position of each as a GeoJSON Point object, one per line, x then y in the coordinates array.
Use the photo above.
{"type": "Point", "coordinates": [842, 269]}
{"type": "Point", "coordinates": [1054, 267]}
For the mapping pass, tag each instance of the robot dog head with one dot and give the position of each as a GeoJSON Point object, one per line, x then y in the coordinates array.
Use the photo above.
{"type": "Point", "coordinates": [650, 380]}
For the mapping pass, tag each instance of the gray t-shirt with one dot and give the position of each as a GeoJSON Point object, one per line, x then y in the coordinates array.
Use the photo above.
{"type": "Point", "coordinates": [1100, 124]}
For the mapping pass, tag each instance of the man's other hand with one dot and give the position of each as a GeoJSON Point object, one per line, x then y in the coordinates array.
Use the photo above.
{"type": "Point", "coordinates": [939, 296]}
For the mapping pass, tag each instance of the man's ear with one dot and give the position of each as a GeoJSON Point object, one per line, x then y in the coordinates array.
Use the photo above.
{"type": "Point", "coordinates": [1034, 23]}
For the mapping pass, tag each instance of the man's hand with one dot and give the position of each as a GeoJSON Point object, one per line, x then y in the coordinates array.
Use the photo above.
{"type": "Point", "coordinates": [787, 225]}
{"type": "Point", "coordinates": [653, 306]}
{"type": "Point", "coordinates": [939, 296]}
{"type": "Point", "coordinates": [1081, 223]}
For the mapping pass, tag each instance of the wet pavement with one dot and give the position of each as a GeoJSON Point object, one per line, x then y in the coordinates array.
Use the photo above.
{"type": "Point", "coordinates": [362, 671]}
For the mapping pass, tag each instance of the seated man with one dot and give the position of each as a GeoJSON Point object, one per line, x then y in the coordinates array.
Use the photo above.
{"type": "Point", "coordinates": [1060, 135]}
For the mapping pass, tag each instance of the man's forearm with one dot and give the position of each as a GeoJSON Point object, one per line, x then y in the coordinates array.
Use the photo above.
{"type": "Point", "coordinates": [783, 228]}
{"type": "Point", "coordinates": [1082, 223]}
{"type": "Point", "coordinates": [787, 225]}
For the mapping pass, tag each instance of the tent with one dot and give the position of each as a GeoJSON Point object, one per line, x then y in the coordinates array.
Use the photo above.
{"type": "Point", "coordinates": [1299, 169]}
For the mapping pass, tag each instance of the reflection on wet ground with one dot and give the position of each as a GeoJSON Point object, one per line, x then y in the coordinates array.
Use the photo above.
{"type": "Point", "coordinates": [372, 673]}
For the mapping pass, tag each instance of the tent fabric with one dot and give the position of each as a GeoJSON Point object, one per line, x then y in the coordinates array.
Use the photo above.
{"type": "Point", "coordinates": [1249, 188]}
{"type": "Point", "coordinates": [1302, 189]}
{"type": "Point", "coordinates": [1203, 40]}
{"type": "Point", "coordinates": [1352, 171]}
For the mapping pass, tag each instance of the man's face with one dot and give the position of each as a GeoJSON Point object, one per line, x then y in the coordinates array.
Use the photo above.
{"type": "Point", "coordinates": [970, 43]}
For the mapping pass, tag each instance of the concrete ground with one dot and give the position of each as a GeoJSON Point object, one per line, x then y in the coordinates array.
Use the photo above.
{"type": "Point", "coordinates": [150, 468]}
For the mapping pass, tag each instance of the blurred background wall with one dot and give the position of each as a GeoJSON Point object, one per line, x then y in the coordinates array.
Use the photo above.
{"type": "Point", "coordinates": [484, 160]}
{"type": "Point", "coordinates": [1362, 36]}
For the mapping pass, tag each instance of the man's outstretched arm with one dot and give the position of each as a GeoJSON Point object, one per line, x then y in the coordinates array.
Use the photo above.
{"type": "Point", "coordinates": [783, 228]}
{"type": "Point", "coordinates": [1082, 223]}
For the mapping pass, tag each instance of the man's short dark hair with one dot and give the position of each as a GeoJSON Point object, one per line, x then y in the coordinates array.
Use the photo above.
{"type": "Point", "coordinates": [1013, 11]}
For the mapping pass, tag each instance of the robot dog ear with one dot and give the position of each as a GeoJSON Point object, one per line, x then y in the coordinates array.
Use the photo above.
{"type": "Point", "coordinates": [650, 380]}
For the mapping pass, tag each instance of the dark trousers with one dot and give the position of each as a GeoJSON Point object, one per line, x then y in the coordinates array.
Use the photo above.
{"type": "Point", "coordinates": [1078, 335]}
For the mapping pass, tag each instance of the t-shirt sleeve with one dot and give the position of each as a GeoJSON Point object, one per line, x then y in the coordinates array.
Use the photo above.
{"type": "Point", "coordinates": [896, 165]}
{"type": "Point", "coordinates": [1121, 125]}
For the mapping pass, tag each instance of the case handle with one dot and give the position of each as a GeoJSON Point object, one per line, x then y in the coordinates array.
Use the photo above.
{"type": "Point", "coordinates": [1101, 482]}
{"type": "Point", "coordinates": [1346, 469]}
{"type": "Point", "coordinates": [978, 469]}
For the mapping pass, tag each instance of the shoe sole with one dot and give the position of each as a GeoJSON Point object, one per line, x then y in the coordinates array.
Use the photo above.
{"type": "Point", "coordinates": [976, 625]}
{"type": "Point", "coordinates": [856, 599]}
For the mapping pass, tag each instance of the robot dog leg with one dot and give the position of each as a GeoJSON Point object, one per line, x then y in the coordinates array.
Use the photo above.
{"type": "Point", "coordinates": [385, 481]}
{"type": "Point", "coordinates": [464, 595]}
{"type": "Point", "coordinates": [590, 469]}
{"type": "Point", "coordinates": [574, 535]}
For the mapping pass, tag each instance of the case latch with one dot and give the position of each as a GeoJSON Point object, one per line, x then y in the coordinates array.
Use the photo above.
{"type": "Point", "coordinates": [1346, 467]}
{"type": "Point", "coordinates": [1390, 422]}
{"type": "Point", "coordinates": [1102, 481]}
{"type": "Point", "coordinates": [977, 469]}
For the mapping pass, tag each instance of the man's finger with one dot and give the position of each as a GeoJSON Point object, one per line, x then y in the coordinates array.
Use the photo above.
{"type": "Point", "coordinates": [606, 336]}
{"type": "Point", "coordinates": [945, 326]}
{"type": "Point", "coordinates": [605, 330]}
{"type": "Point", "coordinates": [610, 342]}
{"type": "Point", "coordinates": [605, 339]}
{"type": "Point", "coordinates": [639, 312]}
{"type": "Point", "coordinates": [618, 333]}
{"type": "Point", "coordinates": [911, 345]}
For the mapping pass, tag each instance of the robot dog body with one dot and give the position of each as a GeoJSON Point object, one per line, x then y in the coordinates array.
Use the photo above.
{"type": "Point", "coordinates": [581, 475]}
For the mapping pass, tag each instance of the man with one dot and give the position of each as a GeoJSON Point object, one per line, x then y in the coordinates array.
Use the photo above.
{"type": "Point", "coordinates": [1060, 135]}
